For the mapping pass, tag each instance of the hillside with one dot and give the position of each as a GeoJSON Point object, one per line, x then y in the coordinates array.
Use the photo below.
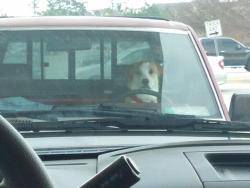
{"type": "Point", "coordinates": [234, 16]}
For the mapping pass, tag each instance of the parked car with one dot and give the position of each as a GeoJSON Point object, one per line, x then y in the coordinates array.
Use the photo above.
{"type": "Point", "coordinates": [217, 65]}
{"type": "Point", "coordinates": [234, 52]}
{"type": "Point", "coordinates": [75, 127]}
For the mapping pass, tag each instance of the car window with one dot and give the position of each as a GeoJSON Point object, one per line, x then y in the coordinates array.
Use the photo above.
{"type": "Point", "coordinates": [16, 53]}
{"type": "Point", "coordinates": [88, 62]}
{"type": "Point", "coordinates": [227, 45]}
{"type": "Point", "coordinates": [209, 45]}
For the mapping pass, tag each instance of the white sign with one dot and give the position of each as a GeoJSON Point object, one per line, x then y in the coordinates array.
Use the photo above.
{"type": "Point", "coordinates": [213, 28]}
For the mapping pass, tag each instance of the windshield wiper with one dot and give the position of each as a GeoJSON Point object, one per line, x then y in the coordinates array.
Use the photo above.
{"type": "Point", "coordinates": [184, 123]}
{"type": "Point", "coordinates": [117, 120]}
{"type": "Point", "coordinates": [205, 125]}
{"type": "Point", "coordinates": [65, 126]}
{"type": "Point", "coordinates": [116, 117]}
{"type": "Point", "coordinates": [138, 122]}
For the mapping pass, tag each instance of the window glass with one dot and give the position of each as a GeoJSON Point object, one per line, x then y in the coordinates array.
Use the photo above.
{"type": "Point", "coordinates": [55, 64]}
{"type": "Point", "coordinates": [88, 62]}
{"type": "Point", "coordinates": [14, 56]}
{"type": "Point", "coordinates": [184, 73]}
{"type": "Point", "coordinates": [130, 51]}
{"type": "Point", "coordinates": [105, 66]}
{"type": "Point", "coordinates": [209, 45]}
{"type": "Point", "coordinates": [227, 45]}
{"type": "Point", "coordinates": [16, 53]}
{"type": "Point", "coordinates": [36, 60]}
{"type": "Point", "coordinates": [107, 59]}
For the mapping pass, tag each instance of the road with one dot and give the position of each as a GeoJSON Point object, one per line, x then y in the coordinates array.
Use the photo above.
{"type": "Point", "coordinates": [238, 81]}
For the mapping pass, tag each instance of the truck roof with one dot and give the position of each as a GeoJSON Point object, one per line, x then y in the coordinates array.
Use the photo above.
{"type": "Point", "coordinates": [88, 21]}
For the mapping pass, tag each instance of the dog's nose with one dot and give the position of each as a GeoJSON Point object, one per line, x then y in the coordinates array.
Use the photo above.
{"type": "Point", "coordinates": [145, 82]}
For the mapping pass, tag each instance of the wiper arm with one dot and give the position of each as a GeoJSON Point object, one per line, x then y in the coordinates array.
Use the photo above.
{"type": "Point", "coordinates": [220, 126]}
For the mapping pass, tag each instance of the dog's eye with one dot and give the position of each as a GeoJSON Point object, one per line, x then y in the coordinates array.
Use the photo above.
{"type": "Point", "coordinates": [151, 71]}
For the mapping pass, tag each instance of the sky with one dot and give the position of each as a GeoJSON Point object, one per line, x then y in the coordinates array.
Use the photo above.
{"type": "Point", "coordinates": [25, 8]}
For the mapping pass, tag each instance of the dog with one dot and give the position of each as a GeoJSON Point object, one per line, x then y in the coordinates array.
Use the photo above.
{"type": "Point", "coordinates": [144, 75]}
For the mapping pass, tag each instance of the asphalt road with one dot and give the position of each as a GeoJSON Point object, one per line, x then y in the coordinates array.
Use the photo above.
{"type": "Point", "coordinates": [238, 81]}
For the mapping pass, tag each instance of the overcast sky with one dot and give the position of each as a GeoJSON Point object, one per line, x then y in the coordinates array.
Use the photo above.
{"type": "Point", "coordinates": [24, 7]}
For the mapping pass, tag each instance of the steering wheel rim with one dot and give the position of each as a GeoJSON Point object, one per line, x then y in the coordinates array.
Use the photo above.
{"type": "Point", "coordinates": [19, 163]}
{"type": "Point", "coordinates": [141, 91]}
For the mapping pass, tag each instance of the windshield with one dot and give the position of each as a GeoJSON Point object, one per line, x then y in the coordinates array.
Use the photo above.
{"type": "Point", "coordinates": [162, 71]}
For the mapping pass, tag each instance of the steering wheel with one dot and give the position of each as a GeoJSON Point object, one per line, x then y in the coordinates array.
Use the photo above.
{"type": "Point", "coordinates": [19, 163]}
{"type": "Point", "coordinates": [140, 91]}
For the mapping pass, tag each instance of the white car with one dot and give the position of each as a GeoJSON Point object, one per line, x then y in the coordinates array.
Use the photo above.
{"type": "Point", "coordinates": [217, 65]}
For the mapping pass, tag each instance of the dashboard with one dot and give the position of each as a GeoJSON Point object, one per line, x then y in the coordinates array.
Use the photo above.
{"type": "Point", "coordinates": [204, 164]}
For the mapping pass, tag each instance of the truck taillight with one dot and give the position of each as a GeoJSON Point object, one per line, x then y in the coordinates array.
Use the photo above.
{"type": "Point", "coordinates": [221, 64]}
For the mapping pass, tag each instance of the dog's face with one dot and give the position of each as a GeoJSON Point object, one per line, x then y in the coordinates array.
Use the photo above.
{"type": "Point", "coordinates": [145, 75]}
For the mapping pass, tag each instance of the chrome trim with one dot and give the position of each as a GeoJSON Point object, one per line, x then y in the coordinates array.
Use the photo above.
{"type": "Point", "coordinates": [208, 76]}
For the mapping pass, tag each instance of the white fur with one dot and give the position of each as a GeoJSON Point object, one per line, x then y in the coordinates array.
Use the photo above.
{"type": "Point", "coordinates": [145, 71]}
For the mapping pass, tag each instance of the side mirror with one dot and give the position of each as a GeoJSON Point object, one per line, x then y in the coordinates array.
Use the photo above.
{"type": "Point", "coordinates": [240, 107]}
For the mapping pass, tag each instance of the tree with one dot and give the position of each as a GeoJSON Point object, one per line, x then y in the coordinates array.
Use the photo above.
{"type": "Point", "coordinates": [35, 6]}
{"type": "Point", "coordinates": [118, 10]}
{"type": "Point", "coordinates": [65, 8]}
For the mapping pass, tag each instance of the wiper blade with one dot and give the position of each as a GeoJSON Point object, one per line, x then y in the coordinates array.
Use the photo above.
{"type": "Point", "coordinates": [155, 121]}
{"type": "Point", "coordinates": [191, 123]}
{"type": "Point", "coordinates": [125, 122]}
{"type": "Point", "coordinates": [65, 126]}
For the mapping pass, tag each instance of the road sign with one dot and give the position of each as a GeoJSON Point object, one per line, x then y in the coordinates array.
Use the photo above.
{"type": "Point", "coordinates": [213, 28]}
